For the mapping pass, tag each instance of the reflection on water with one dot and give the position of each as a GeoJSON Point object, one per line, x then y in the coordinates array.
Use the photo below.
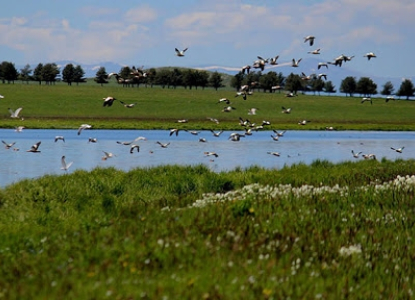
{"type": "Point", "coordinates": [186, 149]}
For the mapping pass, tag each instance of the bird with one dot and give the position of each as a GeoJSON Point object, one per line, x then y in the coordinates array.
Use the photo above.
{"type": "Point", "coordinates": [275, 137]}
{"type": "Point", "coordinates": [322, 64]}
{"type": "Point", "coordinates": [213, 120]}
{"type": "Point", "coordinates": [107, 155]}
{"type": "Point", "coordinates": [246, 69]}
{"type": "Point", "coordinates": [243, 94]}
{"type": "Point", "coordinates": [273, 60]}
{"type": "Point", "coordinates": [15, 113]}
{"type": "Point", "coordinates": [19, 128]}
{"type": "Point", "coordinates": [130, 105]}
{"type": "Point", "coordinates": [92, 140]}
{"type": "Point", "coordinates": [322, 75]}
{"type": "Point", "coordinates": [289, 95]}
{"type": "Point", "coordinates": [127, 143]}
{"type": "Point", "coordinates": [8, 145]}
{"type": "Point", "coordinates": [274, 153]}
{"type": "Point", "coordinates": [1, 96]}
{"type": "Point", "coordinates": [399, 150]}
{"type": "Point", "coordinates": [286, 110]}
{"type": "Point", "coordinates": [388, 98]}
{"type": "Point", "coordinates": [243, 122]}
{"type": "Point", "coordinates": [252, 111]}
{"type": "Point", "coordinates": [228, 109]}
{"type": "Point", "coordinates": [65, 166]}
{"type": "Point", "coordinates": [347, 58]}
{"type": "Point", "coordinates": [369, 55]}
{"type": "Point", "coordinates": [202, 140]}
{"type": "Point", "coordinates": [34, 148]}
{"type": "Point", "coordinates": [265, 122]}
{"type": "Point", "coordinates": [235, 136]}
{"type": "Point", "coordinates": [209, 153]}
{"type": "Point", "coordinates": [279, 133]}
{"type": "Point", "coordinates": [82, 127]}
{"type": "Point", "coordinates": [310, 39]}
{"type": "Point", "coordinates": [317, 51]}
{"type": "Point", "coordinates": [303, 122]}
{"type": "Point", "coordinates": [216, 134]}
{"type": "Point", "coordinates": [356, 154]}
{"type": "Point", "coordinates": [369, 156]}
{"type": "Point", "coordinates": [180, 53]}
{"type": "Point", "coordinates": [59, 137]}
{"type": "Point", "coordinates": [307, 77]}
{"type": "Point", "coordinates": [163, 145]}
{"type": "Point", "coordinates": [295, 63]}
{"type": "Point", "coordinates": [366, 99]}
{"type": "Point", "coordinates": [329, 128]}
{"type": "Point", "coordinates": [260, 63]}
{"type": "Point", "coordinates": [226, 100]}
{"type": "Point", "coordinates": [134, 146]}
{"type": "Point", "coordinates": [174, 131]}
{"type": "Point", "coordinates": [108, 101]}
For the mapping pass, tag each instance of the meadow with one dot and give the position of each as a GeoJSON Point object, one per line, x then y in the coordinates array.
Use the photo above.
{"type": "Point", "coordinates": [319, 231]}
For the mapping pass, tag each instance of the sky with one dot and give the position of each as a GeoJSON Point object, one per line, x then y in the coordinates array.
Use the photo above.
{"type": "Point", "coordinates": [217, 33]}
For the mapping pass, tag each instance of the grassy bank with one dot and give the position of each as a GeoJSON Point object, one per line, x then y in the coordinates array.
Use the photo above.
{"type": "Point", "coordinates": [322, 231]}
{"type": "Point", "coordinates": [62, 106]}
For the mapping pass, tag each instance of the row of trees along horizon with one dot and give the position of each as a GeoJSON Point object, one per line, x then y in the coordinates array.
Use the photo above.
{"type": "Point", "coordinates": [172, 77]}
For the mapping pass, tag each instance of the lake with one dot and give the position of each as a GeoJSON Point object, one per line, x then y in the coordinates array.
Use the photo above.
{"type": "Point", "coordinates": [186, 149]}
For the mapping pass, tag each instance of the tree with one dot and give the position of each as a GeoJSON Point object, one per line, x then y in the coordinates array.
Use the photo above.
{"type": "Point", "coordinates": [268, 80]}
{"type": "Point", "coordinates": [37, 73]}
{"type": "Point", "coordinates": [163, 77]}
{"type": "Point", "coordinates": [79, 75]}
{"type": "Point", "coordinates": [329, 87]}
{"type": "Point", "coordinates": [50, 71]}
{"type": "Point", "coordinates": [101, 76]}
{"type": "Point", "coordinates": [215, 80]}
{"type": "Point", "coordinates": [348, 86]}
{"type": "Point", "coordinates": [317, 85]}
{"type": "Point", "coordinates": [175, 78]}
{"type": "Point", "coordinates": [293, 83]}
{"type": "Point", "coordinates": [201, 78]}
{"type": "Point", "coordinates": [236, 81]}
{"type": "Point", "coordinates": [8, 72]}
{"type": "Point", "coordinates": [387, 89]}
{"type": "Point", "coordinates": [189, 78]}
{"type": "Point", "coordinates": [25, 73]}
{"type": "Point", "coordinates": [406, 89]}
{"type": "Point", "coordinates": [366, 87]}
{"type": "Point", "coordinates": [68, 74]}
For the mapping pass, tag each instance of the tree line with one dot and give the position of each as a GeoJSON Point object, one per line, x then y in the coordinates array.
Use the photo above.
{"type": "Point", "coordinates": [172, 77]}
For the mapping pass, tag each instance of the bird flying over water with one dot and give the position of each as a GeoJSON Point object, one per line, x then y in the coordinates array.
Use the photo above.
{"type": "Point", "coordinates": [15, 113]}
{"type": "Point", "coordinates": [8, 145]}
{"type": "Point", "coordinates": [65, 166]}
{"type": "Point", "coordinates": [34, 148]}
{"type": "Point", "coordinates": [59, 137]}
{"type": "Point", "coordinates": [82, 127]}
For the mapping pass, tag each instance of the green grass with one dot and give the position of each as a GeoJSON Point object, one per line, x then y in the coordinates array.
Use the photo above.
{"type": "Point", "coordinates": [62, 106]}
{"type": "Point", "coordinates": [109, 234]}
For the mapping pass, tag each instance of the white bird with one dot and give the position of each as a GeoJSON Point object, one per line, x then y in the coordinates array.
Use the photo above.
{"type": "Point", "coordinates": [322, 64]}
{"type": "Point", "coordinates": [286, 110]}
{"type": "Point", "coordinates": [59, 137]}
{"type": "Point", "coordinates": [226, 100]}
{"type": "Point", "coordinates": [194, 132]}
{"type": "Point", "coordinates": [303, 122]}
{"type": "Point", "coordinates": [388, 98]}
{"type": "Point", "coordinates": [295, 63]}
{"type": "Point", "coordinates": [252, 111]}
{"type": "Point", "coordinates": [163, 145]}
{"type": "Point", "coordinates": [279, 133]}
{"type": "Point", "coordinates": [127, 143]}
{"type": "Point", "coordinates": [246, 68]}
{"type": "Point", "coordinates": [1, 96]}
{"type": "Point", "coordinates": [65, 166]}
{"type": "Point", "coordinates": [182, 121]}
{"type": "Point", "coordinates": [329, 128]}
{"type": "Point", "coordinates": [134, 146]}
{"type": "Point", "coordinates": [274, 153]}
{"type": "Point", "coordinates": [310, 39]}
{"type": "Point", "coordinates": [366, 99]}
{"type": "Point", "coordinates": [356, 154]}
{"type": "Point", "coordinates": [369, 55]}
{"type": "Point", "coordinates": [82, 127]}
{"type": "Point", "coordinates": [243, 94]}
{"type": "Point", "coordinates": [228, 109]}
{"type": "Point", "coordinates": [289, 95]}
{"type": "Point", "coordinates": [92, 140]}
{"type": "Point", "coordinates": [275, 137]}
{"type": "Point", "coordinates": [213, 120]}
{"type": "Point", "coordinates": [216, 134]}
{"type": "Point", "coordinates": [209, 153]}
{"type": "Point", "coordinates": [322, 75]}
{"type": "Point", "coordinates": [35, 148]}
{"type": "Point", "coordinates": [180, 53]}
{"type": "Point", "coordinates": [8, 145]}
{"type": "Point", "coordinates": [174, 131]}
{"type": "Point", "coordinates": [235, 136]}
{"type": "Point", "coordinates": [107, 155]}
{"type": "Point", "coordinates": [19, 128]}
{"type": "Point", "coordinates": [399, 150]}
{"type": "Point", "coordinates": [130, 105]}
{"type": "Point", "coordinates": [15, 114]}
{"type": "Point", "coordinates": [202, 140]}
{"type": "Point", "coordinates": [108, 101]}
{"type": "Point", "coordinates": [273, 60]}
{"type": "Point", "coordinates": [369, 156]}
{"type": "Point", "coordinates": [317, 51]}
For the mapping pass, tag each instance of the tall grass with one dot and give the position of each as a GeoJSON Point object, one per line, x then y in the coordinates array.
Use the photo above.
{"type": "Point", "coordinates": [328, 231]}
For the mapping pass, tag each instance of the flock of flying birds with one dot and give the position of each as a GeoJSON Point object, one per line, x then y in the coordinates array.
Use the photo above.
{"type": "Point", "coordinates": [248, 126]}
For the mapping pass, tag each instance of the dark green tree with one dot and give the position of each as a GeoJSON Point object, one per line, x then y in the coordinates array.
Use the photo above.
{"type": "Point", "coordinates": [293, 83]}
{"type": "Point", "coordinates": [317, 85]}
{"type": "Point", "coordinates": [329, 87]}
{"type": "Point", "coordinates": [387, 89]}
{"type": "Point", "coordinates": [366, 87]}
{"type": "Point", "coordinates": [406, 89]}
{"type": "Point", "coordinates": [189, 78]}
{"type": "Point", "coordinates": [101, 76]}
{"type": "Point", "coordinates": [236, 81]}
{"type": "Point", "coordinates": [348, 86]}
{"type": "Point", "coordinates": [8, 72]}
{"type": "Point", "coordinates": [268, 80]}
{"type": "Point", "coordinates": [68, 74]}
{"type": "Point", "coordinates": [79, 75]}
{"type": "Point", "coordinates": [50, 72]}
{"type": "Point", "coordinates": [37, 73]}
{"type": "Point", "coordinates": [25, 74]}
{"type": "Point", "coordinates": [202, 78]}
{"type": "Point", "coordinates": [215, 80]}
{"type": "Point", "coordinates": [163, 77]}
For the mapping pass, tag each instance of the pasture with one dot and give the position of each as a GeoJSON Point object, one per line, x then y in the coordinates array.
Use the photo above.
{"type": "Point", "coordinates": [62, 106]}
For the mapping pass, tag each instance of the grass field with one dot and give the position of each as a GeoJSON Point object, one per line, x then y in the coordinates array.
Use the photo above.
{"type": "Point", "coordinates": [62, 106]}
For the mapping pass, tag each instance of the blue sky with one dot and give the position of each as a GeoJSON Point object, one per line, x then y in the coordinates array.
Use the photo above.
{"type": "Point", "coordinates": [229, 33]}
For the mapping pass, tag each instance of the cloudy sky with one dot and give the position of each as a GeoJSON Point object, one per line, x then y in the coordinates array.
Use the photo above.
{"type": "Point", "coordinates": [229, 33]}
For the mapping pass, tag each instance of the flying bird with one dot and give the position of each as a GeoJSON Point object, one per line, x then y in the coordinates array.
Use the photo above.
{"type": "Point", "coordinates": [246, 69]}
{"type": "Point", "coordinates": [366, 99]}
{"type": "Point", "coordinates": [226, 100]}
{"type": "Point", "coordinates": [174, 131]}
{"type": "Point", "coordinates": [65, 166]}
{"type": "Point", "coordinates": [295, 63]}
{"type": "Point", "coordinates": [213, 120]}
{"type": "Point", "coordinates": [356, 154]}
{"type": "Point", "coordinates": [163, 145]}
{"type": "Point", "coordinates": [130, 105]}
{"type": "Point", "coordinates": [107, 155]}
{"type": "Point", "coordinates": [317, 51]}
{"type": "Point", "coordinates": [180, 53]}
{"type": "Point", "coordinates": [15, 113]}
{"type": "Point", "coordinates": [34, 148]}
{"type": "Point", "coordinates": [369, 55]}
{"type": "Point", "coordinates": [134, 147]}
{"type": "Point", "coordinates": [82, 127]}
{"type": "Point", "coordinates": [399, 150]}
{"type": "Point", "coordinates": [92, 140]}
{"type": "Point", "coordinates": [252, 111]}
{"type": "Point", "coordinates": [303, 122]}
{"type": "Point", "coordinates": [322, 64]}
{"type": "Point", "coordinates": [19, 128]}
{"type": "Point", "coordinates": [208, 153]}
{"type": "Point", "coordinates": [309, 39]}
{"type": "Point", "coordinates": [8, 145]}
{"type": "Point", "coordinates": [108, 101]}
{"type": "Point", "coordinates": [59, 137]}
{"type": "Point", "coordinates": [273, 60]}
{"type": "Point", "coordinates": [274, 153]}
{"type": "Point", "coordinates": [216, 134]}
{"type": "Point", "coordinates": [286, 110]}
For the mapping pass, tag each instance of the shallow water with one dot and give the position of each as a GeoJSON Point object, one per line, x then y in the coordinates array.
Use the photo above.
{"type": "Point", "coordinates": [185, 149]}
